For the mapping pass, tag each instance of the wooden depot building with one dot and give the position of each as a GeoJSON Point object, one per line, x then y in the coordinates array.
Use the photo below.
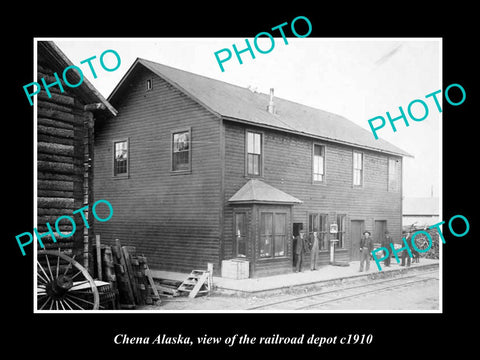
{"type": "Point", "coordinates": [199, 171]}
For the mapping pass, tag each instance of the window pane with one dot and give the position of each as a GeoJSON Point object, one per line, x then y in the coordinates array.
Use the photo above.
{"type": "Point", "coordinates": [323, 232]}
{"type": "Point", "coordinates": [257, 146]}
{"type": "Point", "coordinates": [240, 235]}
{"type": "Point", "coordinates": [181, 141]}
{"type": "Point", "coordinates": [256, 165]}
{"type": "Point", "coordinates": [312, 223]}
{"type": "Point", "coordinates": [357, 177]}
{"type": "Point", "coordinates": [318, 150]}
{"type": "Point", "coordinates": [341, 230]}
{"type": "Point", "coordinates": [266, 224]}
{"type": "Point", "coordinates": [120, 157]}
{"type": "Point", "coordinates": [357, 160]}
{"type": "Point", "coordinates": [249, 142]}
{"type": "Point", "coordinates": [254, 143]}
{"type": "Point", "coordinates": [393, 175]}
{"type": "Point", "coordinates": [181, 151]}
{"type": "Point", "coordinates": [254, 150]}
{"type": "Point", "coordinates": [253, 164]}
{"type": "Point", "coordinates": [280, 223]}
{"type": "Point", "coordinates": [318, 168]}
{"type": "Point", "coordinates": [180, 160]}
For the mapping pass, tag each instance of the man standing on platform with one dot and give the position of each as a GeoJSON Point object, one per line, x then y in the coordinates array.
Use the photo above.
{"type": "Point", "coordinates": [387, 239]}
{"type": "Point", "coordinates": [314, 251]}
{"type": "Point", "coordinates": [366, 247]}
{"type": "Point", "coordinates": [300, 249]}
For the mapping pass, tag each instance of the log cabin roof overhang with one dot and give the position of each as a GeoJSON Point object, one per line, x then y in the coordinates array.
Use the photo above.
{"type": "Point", "coordinates": [86, 92]}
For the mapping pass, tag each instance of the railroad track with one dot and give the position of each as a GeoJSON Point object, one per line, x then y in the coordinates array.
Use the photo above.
{"type": "Point", "coordinates": [307, 301]}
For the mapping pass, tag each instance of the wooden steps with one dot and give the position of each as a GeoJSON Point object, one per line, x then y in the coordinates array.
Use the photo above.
{"type": "Point", "coordinates": [198, 282]}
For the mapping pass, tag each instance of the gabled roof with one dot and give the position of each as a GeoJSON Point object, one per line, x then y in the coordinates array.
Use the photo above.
{"type": "Point", "coordinates": [86, 92]}
{"type": "Point", "coordinates": [236, 103]}
{"type": "Point", "coordinates": [256, 191]}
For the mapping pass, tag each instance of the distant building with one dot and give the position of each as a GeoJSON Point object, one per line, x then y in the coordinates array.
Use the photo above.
{"type": "Point", "coordinates": [421, 211]}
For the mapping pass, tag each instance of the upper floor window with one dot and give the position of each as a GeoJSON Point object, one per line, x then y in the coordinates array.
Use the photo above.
{"type": "Point", "coordinates": [318, 163]}
{"type": "Point", "coordinates": [357, 168]}
{"type": "Point", "coordinates": [181, 150]}
{"type": "Point", "coordinates": [120, 158]}
{"type": "Point", "coordinates": [394, 175]}
{"type": "Point", "coordinates": [254, 153]}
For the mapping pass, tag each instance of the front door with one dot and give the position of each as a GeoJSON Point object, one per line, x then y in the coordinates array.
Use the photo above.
{"type": "Point", "coordinates": [357, 227]}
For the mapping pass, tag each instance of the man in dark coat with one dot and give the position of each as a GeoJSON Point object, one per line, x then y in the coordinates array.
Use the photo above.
{"type": "Point", "coordinates": [314, 251]}
{"type": "Point", "coordinates": [300, 249]}
{"type": "Point", "coordinates": [366, 247]}
{"type": "Point", "coordinates": [387, 239]}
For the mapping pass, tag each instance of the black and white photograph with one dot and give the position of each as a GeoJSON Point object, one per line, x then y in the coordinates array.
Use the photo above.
{"type": "Point", "coordinates": [268, 182]}
{"type": "Point", "coordinates": [280, 182]}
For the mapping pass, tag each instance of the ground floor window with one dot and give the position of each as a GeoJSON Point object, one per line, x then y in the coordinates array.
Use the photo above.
{"type": "Point", "coordinates": [241, 234]}
{"type": "Point", "coordinates": [341, 230]}
{"type": "Point", "coordinates": [319, 223]}
{"type": "Point", "coordinates": [273, 234]}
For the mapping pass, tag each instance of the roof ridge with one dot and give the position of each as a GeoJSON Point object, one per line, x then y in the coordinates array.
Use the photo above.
{"type": "Point", "coordinates": [243, 88]}
{"type": "Point", "coordinates": [237, 103]}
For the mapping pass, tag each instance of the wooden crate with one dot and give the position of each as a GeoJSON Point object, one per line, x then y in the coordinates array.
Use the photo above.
{"type": "Point", "coordinates": [235, 269]}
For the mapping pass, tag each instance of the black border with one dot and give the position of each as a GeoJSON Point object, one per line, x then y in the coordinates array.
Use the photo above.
{"type": "Point", "coordinates": [407, 334]}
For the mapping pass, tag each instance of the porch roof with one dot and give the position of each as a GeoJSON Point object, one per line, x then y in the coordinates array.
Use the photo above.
{"type": "Point", "coordinates": [256, 191]}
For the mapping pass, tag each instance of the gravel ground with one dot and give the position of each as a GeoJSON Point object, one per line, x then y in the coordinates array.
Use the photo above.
{"type": "Point", "coordinates": [422, 296]}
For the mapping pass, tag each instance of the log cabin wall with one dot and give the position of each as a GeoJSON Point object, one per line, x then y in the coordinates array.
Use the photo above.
{"type": "Point", "coordinates": [64, 173]}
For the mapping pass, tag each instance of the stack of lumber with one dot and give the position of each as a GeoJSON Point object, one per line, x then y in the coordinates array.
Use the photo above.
{"type": "Point", "coordinates": [128, 273]}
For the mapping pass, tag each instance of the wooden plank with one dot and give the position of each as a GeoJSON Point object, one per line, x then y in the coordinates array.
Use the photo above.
{"type": "Point", "coordinates": [151, 282]}
{"type": "Point", "coordinates": [126, 250]}
{"type": "Point", "coordinates": [126, 296]}
{"type": "Point", "coordinates": [201, 281]}
{"type": "Point", "coordinates": [99, 256]}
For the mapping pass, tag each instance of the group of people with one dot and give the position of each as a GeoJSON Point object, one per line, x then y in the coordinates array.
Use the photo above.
{"type": "Point", "coordinates": [303, 244]}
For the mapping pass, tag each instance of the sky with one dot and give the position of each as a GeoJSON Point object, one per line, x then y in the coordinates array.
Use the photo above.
{"type": "Point", "coordinates": [353, 77]}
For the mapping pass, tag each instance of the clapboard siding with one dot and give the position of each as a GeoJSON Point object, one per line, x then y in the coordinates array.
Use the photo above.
{"type": "Point", "coordinates": [182, 221]}
{"type": "Point", "coordinates": [172, 218]}
{"type": "Point", "coordinates": [288, 167]}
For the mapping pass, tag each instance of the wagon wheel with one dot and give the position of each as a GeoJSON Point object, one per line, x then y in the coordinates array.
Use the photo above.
{"type": "Point", "coordinates": [64, 284]}
{"type": "Point", "coordinates": [421, 241]}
